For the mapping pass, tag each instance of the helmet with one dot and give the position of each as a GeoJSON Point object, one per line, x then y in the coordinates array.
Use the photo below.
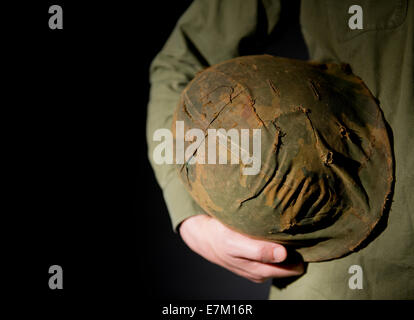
{"type": "Point", "coordinates": [321, 176]}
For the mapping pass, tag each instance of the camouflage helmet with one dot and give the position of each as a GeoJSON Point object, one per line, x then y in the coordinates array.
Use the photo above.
{"type": "Point", "coordinates": [326, 170]}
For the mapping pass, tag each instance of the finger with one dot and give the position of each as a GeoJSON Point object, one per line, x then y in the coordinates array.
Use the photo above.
{"type": "Point", "coordinates": [258, 250]}
{"type": "Point", "coordinates": [249, 276]}
{"type": "Point", "coordinates": [266, 271]}
{"type": "Point", "coordinates": [259, 272]}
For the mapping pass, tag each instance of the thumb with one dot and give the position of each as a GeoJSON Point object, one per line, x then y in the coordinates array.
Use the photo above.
{"type": "Point", "coordinates": [258, 250]}
{"type": "Point", "coordinates": [279, 253]}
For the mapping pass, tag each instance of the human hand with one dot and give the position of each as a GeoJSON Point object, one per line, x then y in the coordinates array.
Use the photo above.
{"type": "Point", "coordinates": [256, 260]}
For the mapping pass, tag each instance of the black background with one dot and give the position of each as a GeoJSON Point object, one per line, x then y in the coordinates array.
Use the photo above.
{"type": "Point", "coordinates": [81, 192]}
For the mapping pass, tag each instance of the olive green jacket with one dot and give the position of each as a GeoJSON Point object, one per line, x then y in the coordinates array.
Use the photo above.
{"type": "Point", "coordinates": [381, 53]}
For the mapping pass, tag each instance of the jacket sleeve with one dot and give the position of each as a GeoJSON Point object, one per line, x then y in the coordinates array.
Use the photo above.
{"type": "Point", "coordinates": [210, 31]}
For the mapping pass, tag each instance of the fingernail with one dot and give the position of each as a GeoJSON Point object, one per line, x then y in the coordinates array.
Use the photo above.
{"type": "Point", "coordinates": [279, 254]}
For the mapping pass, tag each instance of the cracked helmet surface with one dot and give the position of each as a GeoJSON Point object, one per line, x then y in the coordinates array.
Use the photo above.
{"type": "Point", "coordinates": [326, 164]}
